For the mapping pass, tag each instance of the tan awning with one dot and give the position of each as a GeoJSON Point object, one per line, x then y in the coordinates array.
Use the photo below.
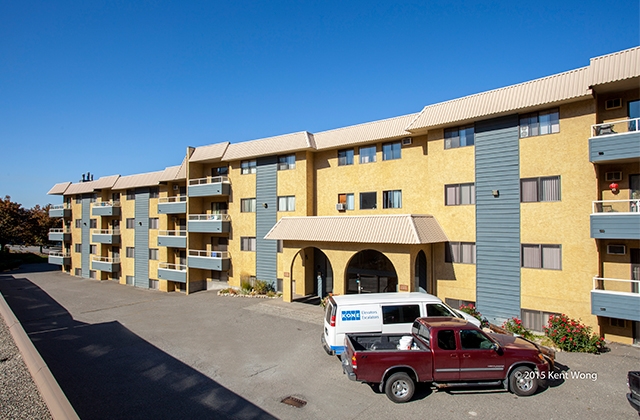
{"type": "Point", "coordinates": [404, 229]}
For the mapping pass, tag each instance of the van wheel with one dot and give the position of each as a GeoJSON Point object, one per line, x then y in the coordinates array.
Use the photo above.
{"type": "Point", "coordinates": [399, 387]}
{"type": "Point", "coordinates": [523, 381]}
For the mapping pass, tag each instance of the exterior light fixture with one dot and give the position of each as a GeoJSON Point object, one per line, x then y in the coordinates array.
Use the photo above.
{"type": "Point", "coordinates": [495, 193]}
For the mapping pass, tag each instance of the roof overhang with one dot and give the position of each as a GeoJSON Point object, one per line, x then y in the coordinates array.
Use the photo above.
{"type": "Point", "coordinates": [404, 229]}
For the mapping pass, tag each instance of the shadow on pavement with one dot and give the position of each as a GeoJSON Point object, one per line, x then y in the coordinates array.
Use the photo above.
{"type": "Point", "coordinates": [108, 372]}
{"type": "Point", "coordinates": [34, 268]}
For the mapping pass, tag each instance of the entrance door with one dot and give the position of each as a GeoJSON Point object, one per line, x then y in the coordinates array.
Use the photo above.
{"type": "Point", "coordinates": [421, 272]}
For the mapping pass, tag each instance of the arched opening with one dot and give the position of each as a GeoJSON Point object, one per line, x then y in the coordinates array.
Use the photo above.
{"type": "Point", "coordinates": [311, 274]}
{"type": "Point", "coordinates": [421, 272]}
{"type": "Point", "coordinates": [371, 271]}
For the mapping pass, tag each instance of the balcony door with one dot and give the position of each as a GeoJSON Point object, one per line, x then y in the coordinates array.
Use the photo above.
{"type": "Point", "coordinates": [219, 207]}
{"type": "Point", "coordinates": [634, 192]}
{"type": "Point", "coordinates": [633, 109]}
{"type": "Point", "coordinates": [635, 268]}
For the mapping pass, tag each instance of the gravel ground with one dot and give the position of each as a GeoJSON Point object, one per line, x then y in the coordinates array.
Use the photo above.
{"type": "Point", "coordinates": [19, 396]}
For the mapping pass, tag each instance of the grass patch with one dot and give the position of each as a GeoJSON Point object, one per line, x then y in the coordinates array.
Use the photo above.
{"type": "Point", "coordinates": [12, 260]}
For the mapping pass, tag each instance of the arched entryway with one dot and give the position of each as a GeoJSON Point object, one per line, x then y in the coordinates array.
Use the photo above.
{"type": "Point", "coordinates": [311, 273]}
{"type": "Point", "coordinates": [370, 271]}
{"type": "Point", "coordinates": [421, 272]}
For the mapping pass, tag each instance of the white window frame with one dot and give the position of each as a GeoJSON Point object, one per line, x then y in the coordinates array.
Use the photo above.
{"type": "Point", "coordinates": [392, 199]}
{"type": "Point", "coordinates": [460, 252]}
{"type": "Point", "coordinates": [248, 167]}
{"type": "Point", "coordinates": [154, 223]}
{"type": "Point", "coordinates": [533, 256]}
{"type": "Point", "coordinates": [248, 243]}
{"type": "Point", "coordinates": [527, 189]}
{"type": "Point", "coordinates": [286, 162]}
{"type": "Point", "coordinates": [460, 194]}
{"type": "Point", "coordinates": [392, 151]}
{"type": "Point", "coordinates": [287, 203]}
{"type": "Point", "coordinates": [130, 223]}
{"type": "Point", "coordinates": [540, 123]}
{"type": "Point", "coordinates": [347, 159]}
{"type": "Point", "coordinates": [247, 205]}
{"type": "Point", "coordinates": [367, 157]}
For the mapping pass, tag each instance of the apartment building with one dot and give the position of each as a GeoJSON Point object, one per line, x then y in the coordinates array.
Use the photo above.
{"type": "Point", "coordinates": [524, 200]}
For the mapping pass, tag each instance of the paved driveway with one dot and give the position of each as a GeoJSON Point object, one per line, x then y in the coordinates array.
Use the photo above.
{"type": "Point", "coordinates": [120, 352]}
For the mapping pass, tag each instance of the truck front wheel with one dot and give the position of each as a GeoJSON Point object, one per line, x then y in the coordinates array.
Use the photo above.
{"type": "Point", "coordinates": [399, 387]}
{"type": "Point", "coordinates": [523, 381]}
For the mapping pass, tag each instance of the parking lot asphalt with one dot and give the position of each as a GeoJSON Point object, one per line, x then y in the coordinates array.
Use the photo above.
{"type": "Point", "coordinates": [121, 352]}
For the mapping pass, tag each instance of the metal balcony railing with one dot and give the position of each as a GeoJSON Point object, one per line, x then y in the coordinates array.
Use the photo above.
{"type": "Point", "coordinates": [616, 206]}
{"type": "Point", "coordinates": [106, 204]}
{"type": "Point", "coordinates": [169, 266]}
{"type": "Point", "coordinates": [616, 285]}
{"type": "Point", "coordinates": [172, 233]}
{"type": "Point", "coordinates": [615, 127]}
{"type": "Point", "coordinates": [176, 199]}
{"type": "Point", "coordinates": [60, 206]}
{"type": "Point", "coordinates": [111, 260]}
{"type": "Point", "coordinates": [219, 217]}
{"type": "Point", "coordinates": [59, 254]}
{"type": "Point", "coordinates": [208, 254]}
{"type": "Point", "coordinates": [209, 180]}
{"type": "Point", "coordinates": [60, 230]}
{"type": "Point", "coordinates": [105, 232]}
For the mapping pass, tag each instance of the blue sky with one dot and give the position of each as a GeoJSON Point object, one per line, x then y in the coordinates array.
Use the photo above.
{"type": "Point", "coordinates": [120, 87]}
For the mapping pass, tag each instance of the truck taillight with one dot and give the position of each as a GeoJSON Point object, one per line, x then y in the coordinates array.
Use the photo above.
{"type": "Point", "coordinates": [333, 320]}
{"type": "Point", "coordinates": [354, 364]}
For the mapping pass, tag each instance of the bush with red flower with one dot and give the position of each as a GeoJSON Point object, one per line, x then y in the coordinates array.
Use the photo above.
{"type": "Point", "coordinates": [471, 310]}
{"type": "Point", "coordinates": [514, 325]}
{"type": "Point", "coordinates": [571, 335]}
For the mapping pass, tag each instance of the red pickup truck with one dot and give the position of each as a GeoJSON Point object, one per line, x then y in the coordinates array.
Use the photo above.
{"type": "Point", "coordinates": [445, 352]}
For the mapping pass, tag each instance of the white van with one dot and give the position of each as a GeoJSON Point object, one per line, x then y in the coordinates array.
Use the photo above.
{"type": "Point", "coordinates": [379, 313]}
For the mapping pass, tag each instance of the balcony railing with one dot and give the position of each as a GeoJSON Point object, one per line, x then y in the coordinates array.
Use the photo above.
{"type": "Point", "coordinates": [60, 235]}
{"type": "Point", "coordinates": [172, 233]}
{"type": "Point", "coordinates": [105, 236]}
{"type": "Point", "coordinates": [106, 204]}
{"type": "Point", "coordinates": [60, 206]}
{"type": "Point", "coordinates": [209, 186]}
{"type": "Point", "coordinates": [105, 231]}
{"type": "Point", "coordinates": [615, 127]}
{"type": "Point", "coordinates": [60, 210]}
{"type": "Point", "coordinates": [209, 180]}
{"type": "Point", "coordinates": [175, 199]}
{"type": "Point", "coordinates": [616, 206]}
{"type": "Point", "coordinates": [105, 208]}
{"type": "Point", "coordinates": [209, 254]}
{"type": "Point", "coordinates": [209, 260]}
{"type": "Point", "coordinates": [218, 217]}
{"type": "Point", "coordinates": [169, 266]}
{"type": "Point", "coordinates": [59, 258]}
{"type": "Point", "coordinates": [59, 254]}
{"type": "Point", "coordinates": [209, 223]}
{"type": "Point", "coordinates": [172, 205]}
{"type": "Point", "coordinates": [616, 298]}
{"type": "Point", "coordinates": [110, 260]}
{"type": "Point", "coordinates": [172, 238]}
{"type": "Point", "coordinates": [172, 272]}
{"type": "Point", "coordinates": [60, 230]}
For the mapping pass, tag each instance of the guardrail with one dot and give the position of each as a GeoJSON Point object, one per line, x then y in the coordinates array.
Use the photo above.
{"type": "Point", "coordinates": [616, 206]}
{"type": "Point", "coordinates": [106, 204]}
{"type": "Point", "coordinates": [175, 199]}
{"type": "Point", "coordinates": [616, 285]}
{"type": "Point", "coordinates": [172, 233]}
{"type": "Point", "coordinates": [105, 232]}
{"type": "Point", "coordinates": [210, 217]}
{"type": "Point", "coordinates": [169, 266]}
{"type": "Point", "coordinates": [113, 260]}
{"type": "Point", "coordinates": [208, 254]}
{"type": "Point", "coordinates": [209, 180]}
{"type": "Point", "coordinates": [60, 207]}
{"type": "Point", "coordinates": [60, 230]}
{"type": "Point", "coordinates": [615, 127]}
{"type": "Point", "coordinates": [59, 254]}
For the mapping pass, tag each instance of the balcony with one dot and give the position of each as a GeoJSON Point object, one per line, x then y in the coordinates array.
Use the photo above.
{"type": "Point", "coordinates": [172, 272]}
{"type": "Point", "coordinates": [106, 208]}
{"type": "Point", "coordinates": [617, 141]}
{"type": "Point", "coordinates": [110, 265]}
{"type": "Point", "coordinates": [105, 236]}
{"type": "Point", "coordinates": [209, 186]}
{"type": "Point", "coordinates": [209, 223]}
{"type": "Point", "coordinates": [615, 219]}
{"type": "Point", "coordinates": [60, 210]}
{"type": "Point", "coordinates": [615, 298]}
{"type": "Point", "coordinates": [60, 235]}
{"type": "Point", "coordinates": [209, 260]}
{"type": "Point", "coordinates": [172, 205]}
{"type": "Point", "coordinates": [59, 258]}
{"type": "Point", "coordinates": [172, 238]}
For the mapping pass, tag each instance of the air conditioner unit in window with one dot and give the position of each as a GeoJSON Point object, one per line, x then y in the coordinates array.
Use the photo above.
{"type": "Point", "coordinates": [613, 176]}
{"type": "Point", "coordinates": [341, 207]}
{"type": "Point", "coordinates": [407, 141]}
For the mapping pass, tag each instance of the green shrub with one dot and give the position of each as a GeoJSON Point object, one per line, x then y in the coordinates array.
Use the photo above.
{"type": "Point", "coordinates": [245, 286]}
{"type": "Point", "coordinates": [262, 287]}
{"type": "Point", "coordinates": [514, 325]}
{"type": "Point", "coordinates": [571, 335]}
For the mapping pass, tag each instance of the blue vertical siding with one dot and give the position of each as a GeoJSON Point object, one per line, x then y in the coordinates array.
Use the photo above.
{"type": "Point", "coordinates": [86, 235]}
{"type": "Point", "coordinates": [497, 163]}
{"type": "Point", "coordinates": [266, 193]}
{"type": "Point", "coordinates": [141, 254]}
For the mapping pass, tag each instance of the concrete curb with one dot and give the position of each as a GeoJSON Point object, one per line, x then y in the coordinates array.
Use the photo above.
{"type": "Point", "coordinates": [52, 394]}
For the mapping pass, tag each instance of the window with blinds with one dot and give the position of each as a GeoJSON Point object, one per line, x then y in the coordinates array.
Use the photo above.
{"type": "Point", "coordinates": [540, 189]}
{"type": "Point", "coordinates": [541, 256]}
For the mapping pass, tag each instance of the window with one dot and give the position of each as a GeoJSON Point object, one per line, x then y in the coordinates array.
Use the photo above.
{"type": "Point", "coordinates": [220, 171]}
{"type": "Point", "coordinates": [400, 314]}
{"type": "Point", "coordinates": [78, 199]}
{"type": "Point", "coordinates": [616, 249]}
{"type": "Point", "coordinates": [460, 252]}
{"type": "Point", "coordinates": [279, 245]}
{"type": "Point", "coordinates": [287, 203]}
{"type": "Point", "coordinates": [153, 253]}
{"type": "Point", "coordinates": [130, 252]}
{"type": "Point", "coordinates": [459, 137]}
{"type": "Point", "coordinates": [540, 189]}
{"type": "Point", "coordinates": [286, 162]}
{"type": "Point", "coordinates": [248, 205]}
{"type": "Point", "coordinates": [248, 167]}
{"type": "Point", "coordinates": [474, 340]}
{"type": "Point", "coordinates": [616, 322]}
{"type": "Point", "coordinates": [367, 154]}
{"type": "Point", "coordinates": [345, 157]}
{"type": "Point", "coordinates": [130, 223]}
{"type": "Point", "coordinates": [392, 199]}
{"type": "Point", "coordinates": [115, 197]}
{"type": "Point", "coordinates": [368, 200]}
{"type": "Point", "coordinates": [93, 249]}
{"type": "Point", "coordinates": [542, 256]}
{"type": "Point", "coordinates": [131, 195]}
{"type": "Point", "coordinates": [78, 247]}
{"type": "Point", "coordinates": [154, 192]}
{"type": "Point", "coordinates": [438, 309]}
{"type": "Point", "coordinates": [457, 303]}
{"type": "Point", "coordinates": [78, 223]}
{"type": "Point", "coordinates": [446, 340]}
{"type": "Point", "coordinates": [154, 222]}
{"type": "Point", "coordinates": [391, 151]}
{"type": "Point", "coordinates": [93, 223]}
{"type": "Point", "coordinates": [535, 320]}
{"type": "Point", "coordinates": [539, 123]}
{"type": "Point", "coordinates": [459, 194]}
{"type": "Point", "coordinates": [247, 243]}
{"type": "Point", "coordinates": [347, 200]}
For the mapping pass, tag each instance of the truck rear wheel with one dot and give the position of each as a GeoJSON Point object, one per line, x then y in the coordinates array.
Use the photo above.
{"type": "Point", "coordinates": [523, 381]}
{"type": "Point", "coordinates": [399, 387]}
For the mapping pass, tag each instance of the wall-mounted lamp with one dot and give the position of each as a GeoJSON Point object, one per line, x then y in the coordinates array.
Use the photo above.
{"type": "Point", "coordinates": [139, 223]}
{"type": "Point", "coordinates": [265, 205]}
{"type": "Point", "coordinates": [495, 193]}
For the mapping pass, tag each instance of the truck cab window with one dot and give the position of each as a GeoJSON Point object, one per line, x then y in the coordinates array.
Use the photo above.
{"type": "Point", "coordinates": [446, 340]}
{"type": "Point", "coordinates": [474, 339]}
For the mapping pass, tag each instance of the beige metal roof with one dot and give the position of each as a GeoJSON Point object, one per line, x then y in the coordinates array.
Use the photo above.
{"type": "Point", "coordinates": [378, 229]}
{"type": "Point", "coordinates": [364, 133]}
{"type": "Point", "coordinates": [139, 180]}
{"type": "Point", "coordinates": [59, 189]}
{"type": "Point", "coordinates": [620, 65]}
{"type": "Point", "coordinates": [91, 186]}
{"type": "Point", "coordinates": [210, 152]}
{"type": "Point", "coordinates": [548, 90]}
{"type": "Point", "coordinates": [286, 143]}
{"type": "Point", "coordinates": [175, 173]}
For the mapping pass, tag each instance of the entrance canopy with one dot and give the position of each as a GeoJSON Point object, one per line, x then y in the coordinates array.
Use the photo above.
{"type": "Point", "coordinates": [406, 229]}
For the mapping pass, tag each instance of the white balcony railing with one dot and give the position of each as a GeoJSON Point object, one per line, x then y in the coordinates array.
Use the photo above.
{"type": "Point", "coordinates": [616, 206]}
{"type": "Point", "coordinates": [172, 233]}
{"type": "Point", "coordinates": [208, 254]}
{"type": "Point", "coordinates": [60, 206]}
{"type": "Point", "coordinates": [106, 204]}
{"type": "Point", "coordinates": [175, 199]}
{"type": "Point", "coordinates": [169, 266]}
{"type": "Point", "coordinates": [615, 127]}
{"type": "Point", "coordinates": [209, 180]}
{"type": "Point", "coordinates": [111, 260]}
{"type": "Point", "coordinates": [59, 254]}
{"type": "Point", "coordinates": [105, 232]}
{"type": "Point", "coordinates": [218, 217]}
{"type": "Point", "coordinates": [60, 230]}
{"type": "Point", "coordinates": [616, 285]}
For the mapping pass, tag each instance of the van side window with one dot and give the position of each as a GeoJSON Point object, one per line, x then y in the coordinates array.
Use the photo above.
{"type": "Point", "coordinates": [437, 309]}
{"type": "Point", "coordinates": [446, 340]}
{"type": "Point", "coordinates": [400, 314]}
